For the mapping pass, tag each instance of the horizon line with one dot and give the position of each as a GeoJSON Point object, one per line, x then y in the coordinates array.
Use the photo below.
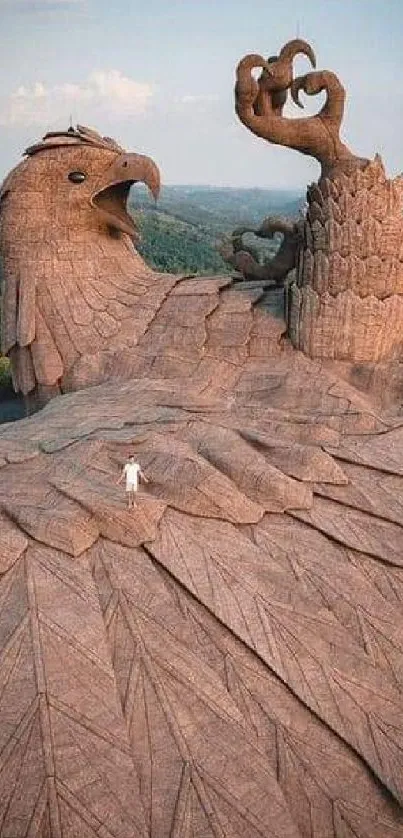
{"type": "Point", "coordinates": [290, 189]}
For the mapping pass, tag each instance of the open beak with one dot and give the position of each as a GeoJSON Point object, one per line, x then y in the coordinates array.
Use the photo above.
{"type": "Point", "coordinates": [110, 195]}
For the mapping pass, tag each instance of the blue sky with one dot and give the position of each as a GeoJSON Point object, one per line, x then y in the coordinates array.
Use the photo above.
{"type": "Point", "coordinates": [158, 75]}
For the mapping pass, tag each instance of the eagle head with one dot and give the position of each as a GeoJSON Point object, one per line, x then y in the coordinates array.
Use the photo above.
{"type": "Point", "coordinates": [69, 268]}
{"type": "Point", "coordinates": [73, 182]}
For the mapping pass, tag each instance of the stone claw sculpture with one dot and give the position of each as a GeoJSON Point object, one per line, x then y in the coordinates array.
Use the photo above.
{"type": "Point", "coordinates": [277, 75]}
{"type": "Point", "coordinates": [243, 256]}
{"type": "Point", "coordinates": [259, 105]}
{"type": "Point", "coordinates": [347, 302]}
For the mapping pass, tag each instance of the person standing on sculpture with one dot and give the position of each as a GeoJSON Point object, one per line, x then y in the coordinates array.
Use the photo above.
{"type": "Point", "coordinates": [132, 472]}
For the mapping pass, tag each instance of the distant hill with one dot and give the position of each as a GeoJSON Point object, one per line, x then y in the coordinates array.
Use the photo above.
{"type": "Point", "coordinates": [170, 244]}
{"type": "Point", "coordinates": [181, 231]}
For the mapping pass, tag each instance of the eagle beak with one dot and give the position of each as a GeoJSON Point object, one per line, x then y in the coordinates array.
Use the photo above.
{"type": "Point", "coordinates": [111, 193]}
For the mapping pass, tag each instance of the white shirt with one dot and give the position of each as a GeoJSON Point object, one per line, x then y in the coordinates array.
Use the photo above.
{"type": "Point", "coordinates": [132, 471]}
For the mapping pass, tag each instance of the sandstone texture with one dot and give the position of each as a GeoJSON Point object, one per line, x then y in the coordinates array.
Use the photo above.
{"type": "Point", "coordinates": [226, 659]}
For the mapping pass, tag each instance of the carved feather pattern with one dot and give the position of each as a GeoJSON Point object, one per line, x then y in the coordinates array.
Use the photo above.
{"type": "Point", "coordinates": [349, 301]}
{"type": "Point", "coordinates": [227, 658]}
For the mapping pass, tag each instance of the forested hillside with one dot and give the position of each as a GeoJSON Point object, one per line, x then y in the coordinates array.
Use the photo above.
{"type": "Point", "coordinates": [169, 244]}
{"type": "Point", "coordinates": [181, 232]}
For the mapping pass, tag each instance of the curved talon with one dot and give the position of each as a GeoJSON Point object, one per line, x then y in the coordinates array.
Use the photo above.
{"type": "Point", "coordinates": [297, 47]}
{"type": "Point", "coordinates": [247, 88]}
{"type": "Point", "coordinates": [275, 224]}
{"type": "Point", "coordinates": [277, 81]}
{"type": "Point", "coordinates": [297, 85]}
{"type": "Point", "coordinates": [252, 62]}
{"type": "Point", "coordinates": [239, 231]}
{"type": "Point", "coordinates": [259, 105]}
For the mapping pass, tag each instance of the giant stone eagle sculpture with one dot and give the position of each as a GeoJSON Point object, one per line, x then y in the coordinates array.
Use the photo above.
{"type": "Point", "coordinates": [275, 268]}
{"type": "Point", "coordinates": [227, 658]}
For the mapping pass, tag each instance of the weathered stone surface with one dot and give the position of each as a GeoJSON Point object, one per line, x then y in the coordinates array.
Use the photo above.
{"type": "Point", "coordinates": [64, 747]}
{"type": "Point", "coordinates": [44, 514]}
{"type": "Point", "coordinates": [248, 469]}
{"type": "Point", "coordinates": [191, 483]}
{"type": "Point", "coordinates": [346, 326]}
{"type": "Point", "coordinates": [369, 490]}
{"type": "Point", "coordinates": [357, 529]}
{"type": "Point", "coordinates": [12, 543]}
{"type": "Point", "coordinates": [303, 462]}
{"type": "Point", "coordinates": [102, 499]}
{"type": "Point", "coordinates": [227, 657]}
{"type": "Point", "coordinates": [247, 648]}
{"type": "Point", "coordinates": [291, 634]}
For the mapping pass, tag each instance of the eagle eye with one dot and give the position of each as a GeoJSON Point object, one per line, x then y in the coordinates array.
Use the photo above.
{"type": "Point", "coordinates": [77, 177]}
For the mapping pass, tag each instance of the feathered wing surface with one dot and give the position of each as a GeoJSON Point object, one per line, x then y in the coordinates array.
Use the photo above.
{"type": "Point", "coordinates": [225, 659]}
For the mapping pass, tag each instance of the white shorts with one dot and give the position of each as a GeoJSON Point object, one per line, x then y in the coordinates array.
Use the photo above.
{"type": "Point", "coordinates": [131, 487]}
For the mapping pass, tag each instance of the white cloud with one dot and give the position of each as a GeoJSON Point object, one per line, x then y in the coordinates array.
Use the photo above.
{"type": "Point", "coordinates": [103, 92]}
